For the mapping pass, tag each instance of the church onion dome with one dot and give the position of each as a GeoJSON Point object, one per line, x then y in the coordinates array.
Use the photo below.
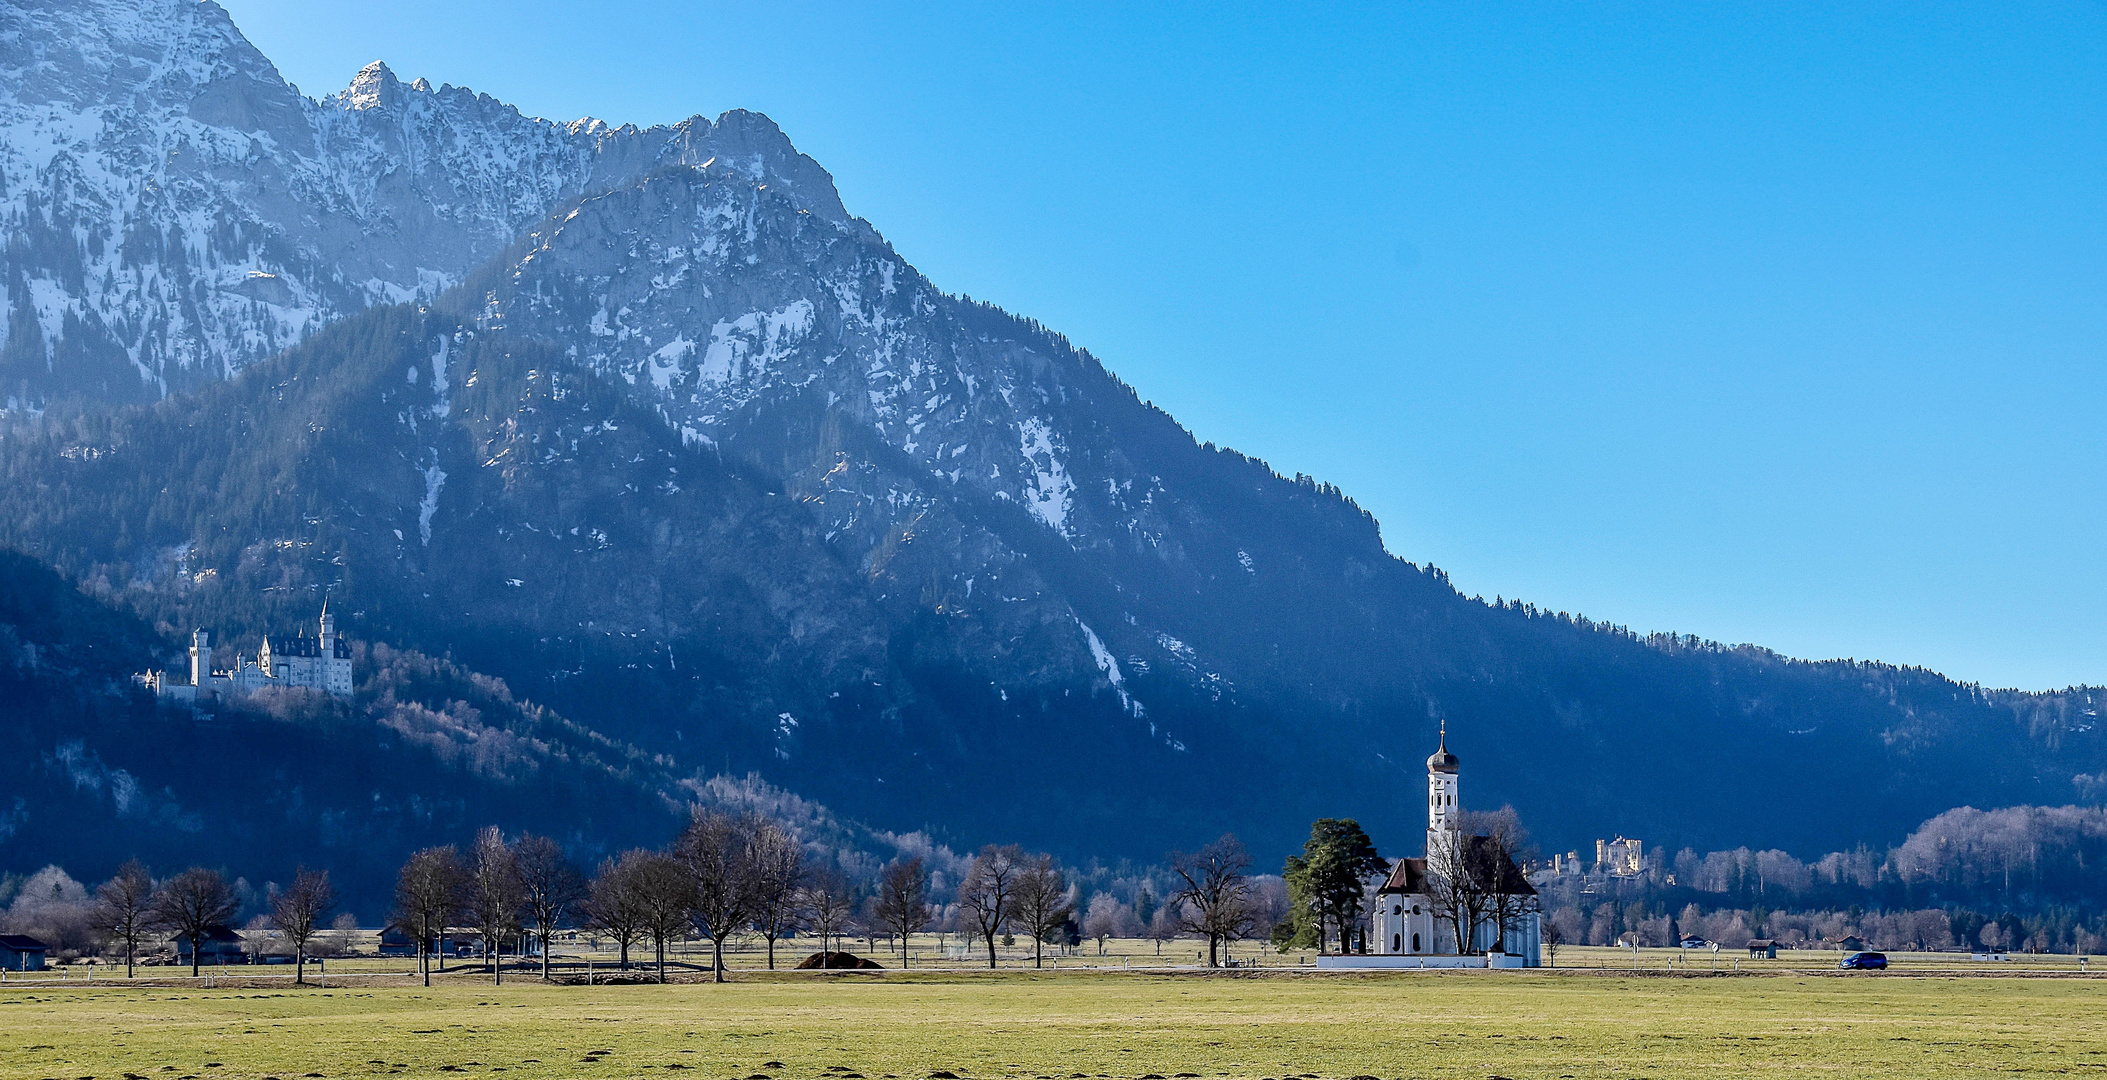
{"type": "Point", "coordinates": [1441, 760]}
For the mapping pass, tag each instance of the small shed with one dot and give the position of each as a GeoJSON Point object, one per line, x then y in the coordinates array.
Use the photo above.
{"type": "Point", "coordinates": [1763, 948]}
{"type": "Point", "coordinates": [20, 952]}
{"type": "Point", "coordinates": [1848, 943]}
{"type": "Point", "coordinates": [1693, 941]}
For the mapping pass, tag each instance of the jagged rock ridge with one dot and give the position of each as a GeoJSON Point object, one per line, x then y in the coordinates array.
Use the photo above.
{"type": "Point", "coordinates": [175, 210]}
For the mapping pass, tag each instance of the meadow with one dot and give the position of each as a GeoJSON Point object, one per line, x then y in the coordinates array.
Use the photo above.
{"type": "Point", "coordinates": [1070, 1025]}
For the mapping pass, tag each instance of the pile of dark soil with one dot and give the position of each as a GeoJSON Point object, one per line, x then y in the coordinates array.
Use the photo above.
{"type": "Point", "coordinates": [838, 960]}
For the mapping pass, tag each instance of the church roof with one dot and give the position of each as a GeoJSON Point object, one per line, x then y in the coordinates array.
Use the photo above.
{"type": "Point", "coordinates": [1408, 876]}
{"type": "Point", "coordinates": [1483, 852]}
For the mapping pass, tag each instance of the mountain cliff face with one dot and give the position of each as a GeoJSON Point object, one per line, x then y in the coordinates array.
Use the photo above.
{"type": "Point", "coordinates": [176, 210]}
{"type": "Point", "coordinates": [643, 422]}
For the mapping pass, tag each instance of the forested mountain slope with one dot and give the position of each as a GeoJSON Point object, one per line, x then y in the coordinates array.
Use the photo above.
{"type": "Point", "coordinates": [647, 426]}
{"type": "Point", "coordinates": [470, 493]}
{"type": "Point", "coordinates": [98, 773]}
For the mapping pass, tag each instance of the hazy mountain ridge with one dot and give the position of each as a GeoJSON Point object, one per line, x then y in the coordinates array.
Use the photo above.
{"type": "Point", "coordinates": [686, 452]}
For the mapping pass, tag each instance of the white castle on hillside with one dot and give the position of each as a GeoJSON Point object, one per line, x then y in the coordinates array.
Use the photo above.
{"type": "Point", "coordinates": [320, 663]}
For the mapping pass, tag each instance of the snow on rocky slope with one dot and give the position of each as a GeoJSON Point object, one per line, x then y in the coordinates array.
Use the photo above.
{"type": "Point", "coordinates": [176, 210]}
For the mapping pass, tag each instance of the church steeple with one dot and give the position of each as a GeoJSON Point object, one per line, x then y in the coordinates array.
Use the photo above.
{"type": "Point", "coordinates": [1443, 810]}
{"type": "Point", "coordinates": [1441, 761]}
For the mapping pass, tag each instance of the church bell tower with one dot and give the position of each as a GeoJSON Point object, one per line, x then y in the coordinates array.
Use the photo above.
{"type": "Point", "coordinates": [1444, 813]}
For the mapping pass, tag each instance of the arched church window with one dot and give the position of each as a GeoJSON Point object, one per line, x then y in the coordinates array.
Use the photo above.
{"type": "Point", "coordinates": [1415, 943]}
{"type": "Point", "coordinates": [1395, 943]}
{"type": "Point", "coordinates": [1397, 909]}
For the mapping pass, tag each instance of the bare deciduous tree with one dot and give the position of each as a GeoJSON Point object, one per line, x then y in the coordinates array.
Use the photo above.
{"type": "Point", "coordinates": [298, 913]}
{"type": "Point", "coordinates": [552, 887]}
{"type": "Point", "coordinates": [902, 905]}
{"type": "Point", "coordinates": [826, 904]}
{"type": "Point", "coordinates": [665, 895]}
{"type": "Point", "coordinates": [1501, 846]}
{"type": "Point", "coordinates": [338, 943]}
{"type": "Point", "coordinates": [717, 849]}
{"type": "Point", "coordinates": [612, 904]}
{"type": "Point", "coordinates": [1455, 891]}
{"type": "Point", "coordinates": [1042, 904]}
{"type": "Point", "coordinates": [428, 897]}
{"type": "Point", "coordinates": [496, 895]}
{"type": "Point", "coordinates": [192, 904]}
{"type": "Point", "coordinates": [1213, 899]}
{"type": "Point", "coordinates": [1163, 926]}
{"type": "Point", "coordinates": [778, 873]}
{"type": "Point", "coordinates": [986, 894]}
{"type": "Point", "coordinates": [1474, 880]}
{"type": "Point", "coordinates": [124, 909]}
{"type": "Point", "coordinates": [1107, 918]}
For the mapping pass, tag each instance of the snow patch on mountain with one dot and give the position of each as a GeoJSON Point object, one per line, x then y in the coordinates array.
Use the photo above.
{"type": "Point", "coordinates": [1048, 491]}
{"type": "Point", "coordinates": [743, 348]}
{"type": "Point", "coordinates": [442, 389]}
{"type": "Point", "coordinates": [1108, 665]}
{"type": "Point", "coordinates": [434, 479]}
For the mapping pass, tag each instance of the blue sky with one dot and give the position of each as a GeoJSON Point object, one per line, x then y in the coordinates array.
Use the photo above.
{"type": "Point", "coordinates": [1767, 323]}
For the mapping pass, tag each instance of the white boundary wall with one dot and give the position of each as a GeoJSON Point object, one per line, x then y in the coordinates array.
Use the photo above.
{"type": "Point", "coordinates": [1416, 963]}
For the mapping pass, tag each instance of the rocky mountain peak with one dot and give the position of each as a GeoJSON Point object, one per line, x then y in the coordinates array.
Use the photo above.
{"type": "Point", "coordinates": [178, 211]}
{"type": "Point", "coordinates": [374, 87]}
{"type": "Point", "coordinates": [110, 52]}
{"type": "Point", "coordinates": [751, 144]}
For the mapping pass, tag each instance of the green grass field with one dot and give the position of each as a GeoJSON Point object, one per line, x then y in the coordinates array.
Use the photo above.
{"type": "Point", "coordinates": [1022, 1025]}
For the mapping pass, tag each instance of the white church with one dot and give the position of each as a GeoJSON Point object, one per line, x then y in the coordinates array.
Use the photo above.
{"type": "Point", "coordinates": [322, 662]}
{"type": "Point", "coordinates": [1405, 932]}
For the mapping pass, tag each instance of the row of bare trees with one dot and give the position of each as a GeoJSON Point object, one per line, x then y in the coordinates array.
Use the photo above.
{"type": "Point", "coordinates": [1006, 890]}
{"type": "Point", "coordinates": [724, 874]}
{"type": "Point", "coordinates": [132, 909]}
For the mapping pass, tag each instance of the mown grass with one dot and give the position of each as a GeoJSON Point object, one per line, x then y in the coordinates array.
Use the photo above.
{"type": "Point", "coordinates": [1019, 1025]}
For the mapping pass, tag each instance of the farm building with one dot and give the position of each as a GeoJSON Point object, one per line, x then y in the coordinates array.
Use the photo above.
{"type": "Point", "coordinates": [20, 952]}
{"type": "Point", "coordinates": [219, 945]}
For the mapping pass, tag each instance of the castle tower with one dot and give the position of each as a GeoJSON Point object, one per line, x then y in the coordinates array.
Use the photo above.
{"type": "Point", "coordinates": [334, 654]}
{"type": "Point", "coordinates": [1444, 813]}
{"type": "Point", "coordinates": [200, 657]}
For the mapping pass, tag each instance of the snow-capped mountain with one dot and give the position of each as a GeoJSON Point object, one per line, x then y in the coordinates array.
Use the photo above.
{"type": "Point", "coordinates": [644, 422]}
{"type": "Point", "coordinates": [754, 325]}
{"type": "Point", "coordinates": [176, 210]}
